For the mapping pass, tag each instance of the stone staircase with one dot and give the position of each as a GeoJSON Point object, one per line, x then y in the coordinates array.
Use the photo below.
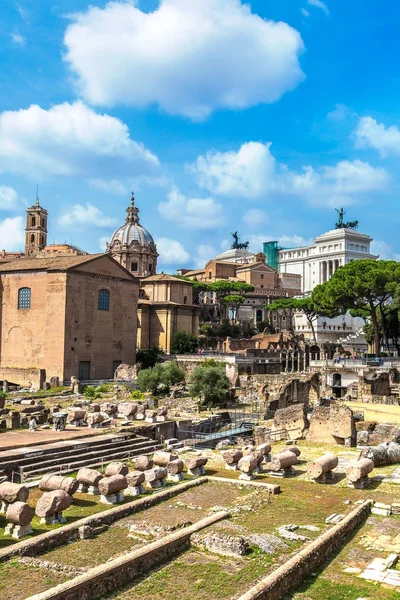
{"type": "Point", "coordinates": [68, 456]}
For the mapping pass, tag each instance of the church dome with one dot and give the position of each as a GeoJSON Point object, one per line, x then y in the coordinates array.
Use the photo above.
{"type": "Point", "coordinates": [131, 230]}
{"type": "Point", "coordinates": [236, 255]}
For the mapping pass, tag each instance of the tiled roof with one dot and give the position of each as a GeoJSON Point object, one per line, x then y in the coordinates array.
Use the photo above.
{"type": "Point", "coordinates": [165, 277]}
{"type": "Point", "coordinates": [51, 263]}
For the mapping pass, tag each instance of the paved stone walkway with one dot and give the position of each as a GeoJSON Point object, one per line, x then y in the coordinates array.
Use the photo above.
{"type": "Point", "coordinates": [16, 439]}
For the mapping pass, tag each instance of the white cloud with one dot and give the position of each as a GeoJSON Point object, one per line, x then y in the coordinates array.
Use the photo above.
{"type": "Point", "coordinates": [70, 140]}
{"type": "Point", "coordinates": [103, 241]}
{"type": "Point", "coordinates": [188, 57]}
{"type": "Point", "coordinates": [113, 186]}
{"type": "Point", "coordinates": [12, 234]}
{"type": "Point", "coordinates": [304, 12]}
{"type": "Point", "coordinates": [171, 252]}
{"type": "Point", "coordinates": [253, 218]}
{"type": "Point", "coordinates": [17, 38]}
{"type": "Point", "coordinates": [340, 113]}
{"type": "Point", "coordinates": [371, 134]}
{"type": "Point", "coordinates": [319, 4]}
{"type": "Point", "coordinates": [191, 213]}
{"type": "Point", "coordinates": [246, 173]}
{"type": "Point", "coordinates": [81, 215]}
{"type": "Point", "coordinates": [384, 250]}
{"type": "Point", "coordinates": [204, 253]}
{"type": "Point", "coordinates": [8, 198]}
{"type": "Point", "coordinates": [252, 172]}
{"type": "Point", "coordinates": [284, 241]}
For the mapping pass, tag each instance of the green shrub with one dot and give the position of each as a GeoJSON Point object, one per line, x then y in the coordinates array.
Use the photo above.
{"type": "Point", "coordinates": [160, 378]}
{"type": "Point", "coordinates": [90, 392]}
{"type": "Point", "coordinates": [184, 342]}
{"type": "Point", "coordinates": [210, 383]}
{"type": "Point", "coordinates": [137, 395]}
{"type": "Point", "coordinates": [148, 357]}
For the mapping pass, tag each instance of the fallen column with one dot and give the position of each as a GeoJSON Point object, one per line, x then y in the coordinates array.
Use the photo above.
{"type": "Point", "coordinates": [259, 456]}
{"type": "Point", "coordinates": [76, 416]}
{"type": "Point", "coordinates": [196, 465]}
{"type": "Point", "coordinates": [50, 506]}
{"type": "Point", "coordinates": [248, 464]}
{"type": "Point", "coordinates": [357, 473]}
{"type": "Point", "coordinates": [10, 493]}
{"type": "Point", "coordinates": [295, 449]}
{"type": "Point", "coordinates": [155, 478]}
{"type": "Point", "coordinates": [88, 480]}
{"type": "Point", "coordinates": [162, 458]}
{"type": "Point", "coordinates": [162, 414]}
{"type": "Point", "coordinates": [151, 415]}
{"type": "Point", "coordinates": [231, 458]}
{"type": "Point", "coordinates": [143, 463]}
{"type": "Point", "coordinates": [175, 470]}
{"type": "Point", "coordinates": [111, 488]}
{"type": "Point", "coordinates": [50, 482]}
{"type": "Point", "coordinates": [320, 469]}
{"type": "Point", "coordinates": [387, 453]}
{"type": "Point", "coordinates": [116, 468]}
{"type": "Point", "coordinates": [19, 517]}
{"type": "Point", "coordinates": [266, 451]}
{"type": "Point", "coordinates": [281, 465]}
{"type": "Point", "coordinates": [135, 479]}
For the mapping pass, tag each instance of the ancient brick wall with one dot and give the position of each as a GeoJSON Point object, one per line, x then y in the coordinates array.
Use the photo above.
{"type": "Point", "coordinates": [332, 425]}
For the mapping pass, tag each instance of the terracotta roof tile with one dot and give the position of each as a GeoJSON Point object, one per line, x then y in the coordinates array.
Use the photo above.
{"type": "Point", "coordinates": [51, 263]}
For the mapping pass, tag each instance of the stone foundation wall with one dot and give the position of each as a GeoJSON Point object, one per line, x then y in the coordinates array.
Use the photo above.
{"type": "Point", "coordinates": [332, 425]}
{"type": "Point", "coordinates": [23, 377]}
{"type": "Point", "coordinates": [287, 577]}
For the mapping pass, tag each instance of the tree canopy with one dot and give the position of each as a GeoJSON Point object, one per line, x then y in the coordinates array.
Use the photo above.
{"type": "Point", "coordinates": [160, 378]}
{"type": "Point", "coordinates": [209, 383]}
{"type": "Point", "coordinates": [184, 342]}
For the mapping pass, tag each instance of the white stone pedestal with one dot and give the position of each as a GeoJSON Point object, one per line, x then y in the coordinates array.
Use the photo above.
{"type": "Point", "coordinates": [289, 472]}
{"type": "Point", "coordinates": [93, 490]}
{"type": "Point", "coordinates": [175, 478]}
{"type": "Point", "coordinates": [134, 490]}
{"type": "Point", "coordinates": [232, 467]}
{"type": "Point", "coordinates": [155, 485]}
{"type": "Point", "coordinates": [197, 471]}
{"type": "Point", "coordinates": [82, 488]}
{"type": "Point", "coordinates": [17, 531]}
{"type": "Point", "coordinates": [55, 519]}
{"type": "Point", "coordinates": [246, 476]}
{"type": "Point", "coordinates": [359, 485]}
{"type": "Point", "coordinates": [112, 498]}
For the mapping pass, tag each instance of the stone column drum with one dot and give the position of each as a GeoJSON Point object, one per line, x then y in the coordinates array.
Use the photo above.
{"type": "Point", "coordinates": [196, 465]}
{"type": "Point", "coordinates": [155, 478]}
{"type": "Point", "coordinates": [135, 479]}
{"type": "Point", "coordinates": [175, 470]}
{"type": "Point", "coordinates": [111, 489]}
{"type": "Point", "coordinates": [88, 480]}
{"type": "Point", "coordinates": [231, 458]}
{"type": "Point", "coordinates": [320, 469]}
{"type": "Point", "coordinates": [50, 506]}
{"type": "Point", "coordinates": [19, 517]}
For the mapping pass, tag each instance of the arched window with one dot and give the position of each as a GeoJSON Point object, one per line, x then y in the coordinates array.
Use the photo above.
{"type": "Point", "coordinates": [104, 300]}
{"type": "Point", "coordinates": [33, 221]}
{"type": "Point", "coordinates": [32, 238]}
{"type": "Point", "coordinates": [24, 298]}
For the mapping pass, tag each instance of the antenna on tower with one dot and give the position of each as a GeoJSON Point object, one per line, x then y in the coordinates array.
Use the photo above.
{"type": "Point", "coordinates": [37, 194]}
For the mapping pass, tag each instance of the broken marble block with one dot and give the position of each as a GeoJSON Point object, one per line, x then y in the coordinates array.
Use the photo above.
{"type": "Point", "coordinates": [260, 459]}
{"type": "Point", "coordinates": [175, 470]}
{"type": "Point", "coordinates": [50, 506]}
{"type": "Point", "coordinates": [111, 488]}
{"type": "Point", "coordinates": [151, 415]}
{"type": "Point", "coordinates": [19, 517]}
{"type": "Point", "coordinates": [50, 482]}
{"type": "Point", "coordinates": [281, 465]}
{"type": "Point", "coordinates": [143, 463]}
{"type": "Point", "coordinates": [95, 419]}
{"type": "Point", "coordinates": [265, 449]}
{"type": "Point", "coordinates": [162, 414]}
{"type": "Point", "coordinates": [88, 480]}
{"type": "Point", "coordinates": [162, 458]}
{"type": "Point", "coordinates": [196, 465]}
{"type": "Point", "coordinates": [116, 468]}
{"type": "Point", "coordinates": [381, 509]}
{"type": "Point", "coordinates": [12, 492]}
{"type": "Point", "coordinates": [357, 473]}
{"type": "Point", "coordinates": [231, 458]}
{"type": "Point", "coordinates": [135, 480]}
{"type": "Point", "coordinates": [248, 465]}
{"type": "Point", "coordinates": [155, 478]}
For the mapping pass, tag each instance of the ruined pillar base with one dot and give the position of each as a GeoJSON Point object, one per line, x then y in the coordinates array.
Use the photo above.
{"type": "Point", "coordinates": [161, 419]}
{"type": "Point", "coordinates": [3, 507]}
{"type": "Point", "coordinates": [134, 490]}
{"type": "Point", "coordinates": [175, 478]}
{"type": "Point", "coordinates": [267, 458]}
{"type": "Point", "coordinates": [359, 485]}
{"type": "Point", "coordinates": [232, 467]}
{"type": "Point", "coordinates": [150, 420]}
{"type": "Point", "coordinates": [197, 471]}
{"type": "Point", "coordinates": [324, 478]}
{"type": "Point", "coordinates": [82, 488]}
{"type": "Point", "coordinates": [155, 485]}
{"type": "Point", "coordinates": [246, 476]}
{"type": "Point", "coordinates": [93, 490]}
{"type": "Point", "coordinates": [95, 426]}
{"type": "Point", "coordinates": [259, 470]}
{"type": "Point", "coordinates": [55, 519]}
{"type": "Point", "coordinates": [282, 473]}
{"type": "Point", "coordinates": [112, 498]}
{"type": "Point", "coordinates": [17, 531]}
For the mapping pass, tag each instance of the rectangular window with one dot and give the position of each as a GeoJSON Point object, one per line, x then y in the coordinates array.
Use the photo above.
{"type": "Point", "coordinates": [24, 298]}
{"type": "Point", "coordinates": [104, 300]}
{"type": "Point", "coordinates": [134, 266]}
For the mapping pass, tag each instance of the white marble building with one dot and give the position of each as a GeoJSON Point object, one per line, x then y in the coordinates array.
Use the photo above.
{"type": "Point", "coordinates": [316, 264]}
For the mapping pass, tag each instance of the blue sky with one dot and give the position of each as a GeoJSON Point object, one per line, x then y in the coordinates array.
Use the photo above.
{"type": "Point", "coordinates": [222, 115]}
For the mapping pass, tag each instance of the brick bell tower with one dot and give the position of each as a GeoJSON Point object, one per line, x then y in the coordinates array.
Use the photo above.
{"type": "Point", "coordinates": [36, 228]}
